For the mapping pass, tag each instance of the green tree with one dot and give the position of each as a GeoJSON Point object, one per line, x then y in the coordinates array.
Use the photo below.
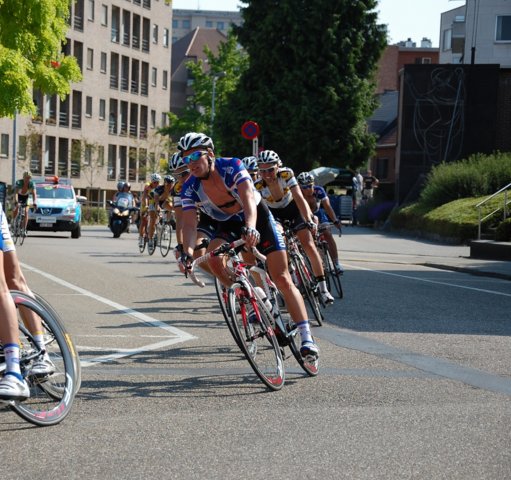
{"type": "Point", "coordinates": [227, 65]}
{"type": "Point", "coordinates": [31, 36]}
{"type": "Point", "coordinates": [309, 84]}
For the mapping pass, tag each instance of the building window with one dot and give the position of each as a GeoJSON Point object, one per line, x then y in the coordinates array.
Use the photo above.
{"type": "Point", "coordinates": [104, 15]}
{"type": "Point", "coordinates": [164, 119]}
{"type": "Point", "coordinates": [175, 24]}
{"type": "Point", "coordinates": [4, 145]}
{"type": "Point", "coordinates": [447, 39]}
{"type": "Point", "coordinates": [102, 108]}
{"type": "Point", "coordinates": [209, 24]}
{"type": "Point", "coordinates": [102, 67]}
{"type": "Point", "coordinates": [382, 168]}
{"type": "Point", "coordinates": [88, 106]}
{"type": "Point", "coordinates": [155, 33]}
{"type": "Point", "coordinates": [90, 59]}
{"type": "Point", "coordinates": [220, 25]}
{"type": "Point", "coordinates": [153, 119]}
{"type": "Point", "coordinates": [186, 24]}
{"type": "Point", "coordinates": [503, 28]}
{"type": "Point", "coordinates": [426, 60]}
{"type": "Point", "coordinates": [165, 80]}
{"type": "Point", "coordinates": [90, 12]}
{"type": "Point", "coordinates": [165, 37]}
{"type": "Point", "coordinates": [154, 75]}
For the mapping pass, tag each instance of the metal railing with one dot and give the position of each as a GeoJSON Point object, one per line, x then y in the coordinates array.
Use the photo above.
{"type": "Point", "coordinates": [506, 202]}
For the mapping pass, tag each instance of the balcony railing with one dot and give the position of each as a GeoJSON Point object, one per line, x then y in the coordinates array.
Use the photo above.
{"type": "Point", "coordinates": [124, 84]}
{"type": "Point", "coordinates": [76, 120]}
{"type": "Point", "coordinates": [78, 23]}
{"type": "Point", "coordinates": [114, 81]}
{"type": "Point", "coordinates": [134, 86]}
{"type": "Point", "coordinates": [135, 41]}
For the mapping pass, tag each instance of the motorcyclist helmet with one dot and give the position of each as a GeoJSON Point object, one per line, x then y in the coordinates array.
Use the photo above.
{"type": "Point", "coordinates": [155, 177]}
{"type": "Point", "coordinates": [127, 185]}
{"type": "Point", "coordinates": [120, 186]}
{"type": "Point", "coordinates": [305, 178]}
{"type": "Point", "coordinates": [194, 140]}
{"type": "Point", "coordinates": [250, 163]}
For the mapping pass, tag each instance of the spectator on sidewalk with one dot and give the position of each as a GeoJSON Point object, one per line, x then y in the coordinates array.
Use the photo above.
{"type": "Point", "coordinates": [370, 183]}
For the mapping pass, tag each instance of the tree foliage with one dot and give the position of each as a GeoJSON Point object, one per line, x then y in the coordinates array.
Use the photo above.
{"type": "Point", "coordinates": [228, 66]}
{"type": "Point", "coordinates": [309, 84]}
{"type": "Point", "coordinates": [31, 36]}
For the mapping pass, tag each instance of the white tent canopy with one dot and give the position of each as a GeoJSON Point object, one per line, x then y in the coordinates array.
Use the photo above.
{"type": "Point", "coordinates": [324, 175]}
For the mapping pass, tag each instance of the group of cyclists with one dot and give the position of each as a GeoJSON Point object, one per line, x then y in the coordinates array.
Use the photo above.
{"type": "Point", "coordinates": [218, 200]}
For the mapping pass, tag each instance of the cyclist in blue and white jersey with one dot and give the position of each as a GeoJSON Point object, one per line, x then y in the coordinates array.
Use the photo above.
{"type": "Point", "coordinates": [279, 188]}
{"type": "Point", "coordinates": [251, 166]}
{"type": "Point", "coordinates": [206, 226]}
{"type": "Point", "coordinates": [319, 203]}
{"type": "Point", "coordinates": [223, 189]}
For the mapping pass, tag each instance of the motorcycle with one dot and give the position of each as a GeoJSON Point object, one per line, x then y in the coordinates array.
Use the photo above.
{"type": "Point", "coordinates": [120, 216]}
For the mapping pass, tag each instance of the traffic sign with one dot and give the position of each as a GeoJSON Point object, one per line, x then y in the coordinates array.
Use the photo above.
{"type": "Point", "coordinates": [250, 130]}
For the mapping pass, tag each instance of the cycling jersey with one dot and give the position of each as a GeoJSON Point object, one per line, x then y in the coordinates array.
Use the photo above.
{"type": "Point", "coordinates": [233, 173]}
{"type": "Point", "coordinates": [176, 193]}
{"type": "Point", "coordinates": [23, 195]}
{"type": "Point", "coordinates": [287, 180]}
{"type": "Point", "coordinates": [6, 243]}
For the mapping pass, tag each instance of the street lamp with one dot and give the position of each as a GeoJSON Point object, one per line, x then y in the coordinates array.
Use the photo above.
{"type": "Point", "coordinates": [215, 76]}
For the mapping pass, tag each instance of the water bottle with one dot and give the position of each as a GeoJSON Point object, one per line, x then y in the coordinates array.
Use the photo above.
{"type": "Point", "coordinates": [267, 303]}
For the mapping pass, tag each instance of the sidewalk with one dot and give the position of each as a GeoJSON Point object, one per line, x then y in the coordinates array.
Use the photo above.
{"type": "Point", "coordinates": [366, 244]}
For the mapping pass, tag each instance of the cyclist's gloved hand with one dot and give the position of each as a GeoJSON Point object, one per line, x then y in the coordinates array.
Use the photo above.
{"type": "Point", "coordinates": [251, 236]}
{"type": "Point", "coordinates": [337, 223]}
{"type": "Point", "coordinates": [185, 263]}
{"type": "Point", "coordinates": [312, 227]}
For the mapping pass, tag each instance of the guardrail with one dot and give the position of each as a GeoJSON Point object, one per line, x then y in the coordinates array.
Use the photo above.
{"type": "Point", "coordinates": [504, 208]}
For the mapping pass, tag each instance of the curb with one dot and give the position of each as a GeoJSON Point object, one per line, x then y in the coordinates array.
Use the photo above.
{"type": "Point", "coordinates": [470, 271]}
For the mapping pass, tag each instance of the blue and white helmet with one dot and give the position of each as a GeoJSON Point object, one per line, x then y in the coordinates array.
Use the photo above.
{"type": "Point", "coordinates": [305, 178]}
{"type": "Point", "coordinates": [176, 161]}
{"type": "Point", "coordinates": [250, 164]}
{"type": "Point", "coordinates": [155, 177]}
{"type": "Point", "coordinates": [194, 140]}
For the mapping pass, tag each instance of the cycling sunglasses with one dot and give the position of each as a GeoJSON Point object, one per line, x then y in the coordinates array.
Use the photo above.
{"type": "Point", "coordinates": [182, 174]}
{"type": "Point", "coordinates": [267, 170]}
{"type": "Point", "coordinates": [307, 186]}
{"type": "Point", "coordinates": [193, 157]}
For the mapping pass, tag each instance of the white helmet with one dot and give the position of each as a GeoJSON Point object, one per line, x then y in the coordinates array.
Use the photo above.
{"type": "Point", "coordinates": [250, 163]}
{"type": "Point", "coordinates": [269, 156]}
{"type": "Point", "coordinates": [305, 178]}
{"type": "Point", "coordinates": [155, 177]}
{"type": "Point", "coordinates": [194, 140]}
{"type": "Point", "coordinates": [176, 161]}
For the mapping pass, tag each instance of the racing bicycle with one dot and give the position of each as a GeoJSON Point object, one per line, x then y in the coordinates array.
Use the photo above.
{"type": "Point", "coordinates": [18, 225]}
{"type": "Point", "coordinates": [332, 276]}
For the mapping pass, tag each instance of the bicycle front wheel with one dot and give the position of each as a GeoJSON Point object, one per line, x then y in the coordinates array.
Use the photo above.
{"type": "Point", "coordinates": [222, 296]}
{"type": "Point", "coordinates": [165, 239]}
{"type": "Point", "coordinates": [333, 277]}
{"type": "Point", "coordinates": [51, 396]}
{"type": "Point", "coordinates": [257, 337]}
{"type": "Point", "coordinates": [311, 367]}
{"type": "Point", "coordinates": [15, 233]}
{"type": "Point", "coordinates": [141, 246]}
{"type": "Point", "coordinates": [304, 278]}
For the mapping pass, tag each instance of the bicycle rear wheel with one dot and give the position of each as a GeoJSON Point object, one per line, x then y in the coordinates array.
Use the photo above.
{"type": "Point", "coordinates": [141, 248]}
{"type": "Point", "coordinates": [257, 337]}
{"type": "Point", "coordinates": [74, 353]}
{"type": "Point", "coordinates": [165, 239]}
{"type": "Point", "coordinates": [311, 368]}
{"type": "Point", "coordinates": [151, 247]}
{"type": "Point", "coordinates": [51, 397]}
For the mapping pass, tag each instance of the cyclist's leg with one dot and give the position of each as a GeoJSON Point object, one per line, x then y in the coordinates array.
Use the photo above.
{"type": "Point", "coordinates": [12, 385]}
{"type": "Point", "coordinates": [24, 226]}
{"type": "Point", "coordinates": [206, 228]}
{"type": "Point", "coordinates": [332, 249]}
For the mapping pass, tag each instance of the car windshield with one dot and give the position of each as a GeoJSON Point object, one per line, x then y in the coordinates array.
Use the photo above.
{"type": "Point", "coordinates": [55, 191]}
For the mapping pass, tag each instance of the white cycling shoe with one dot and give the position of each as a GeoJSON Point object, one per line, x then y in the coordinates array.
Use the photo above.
{"type": "Point", "coordinates": [12, 388]}
{"type": "Point", "coordinates": [326, 298]}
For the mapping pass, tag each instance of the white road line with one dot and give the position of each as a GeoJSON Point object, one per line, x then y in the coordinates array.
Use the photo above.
{"type": "Point", "coordinates": [178, 335]}
{"type": "Point", "coordinates": [493, 292]}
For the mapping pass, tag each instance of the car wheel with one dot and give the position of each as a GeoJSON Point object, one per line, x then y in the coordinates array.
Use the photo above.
{"type": "Point", "coordinates": [77, 232]}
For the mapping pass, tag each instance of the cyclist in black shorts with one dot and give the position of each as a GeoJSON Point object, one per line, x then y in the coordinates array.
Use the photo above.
{"type": "Point", "coordinates": [223, 189]}
{"type": "Point", "coordinates": [23, 188]}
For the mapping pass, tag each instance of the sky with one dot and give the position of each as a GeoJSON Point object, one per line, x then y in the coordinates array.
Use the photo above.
{"type": "Point", "coordinates": [405, 19]}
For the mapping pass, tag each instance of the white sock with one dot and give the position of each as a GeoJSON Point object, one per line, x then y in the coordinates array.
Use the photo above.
{"type": "Point", "coordinates": [305, 331]}
{"type": "Point", "coordinates": [322, 286]}
{"type": "Point", "coordinates": [12, 359]}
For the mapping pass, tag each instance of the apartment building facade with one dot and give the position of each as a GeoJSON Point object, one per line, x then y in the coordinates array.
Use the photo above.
{"type": "Point", "coordinates": [185, 21]}
{"type": "Point", "coordinates": [106, 129]}
{"type": "Point", "coordinates": [477, 32]}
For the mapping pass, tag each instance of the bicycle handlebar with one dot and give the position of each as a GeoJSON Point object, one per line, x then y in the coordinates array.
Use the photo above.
{"type": "Point", "coordinates": [226, 247]}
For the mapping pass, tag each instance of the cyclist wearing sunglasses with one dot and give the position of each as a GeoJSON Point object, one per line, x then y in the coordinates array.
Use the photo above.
{"type": "Point", "coordinates": [206, 226]}
{"type": "Point", "coordinates": [319, 203]}
{"type": "Point", "coordinates": [279, 188]}
{"type": "Point", "coordinates": [223, 189]}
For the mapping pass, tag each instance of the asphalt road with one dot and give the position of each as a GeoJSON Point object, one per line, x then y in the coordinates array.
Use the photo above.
{"type": "Point", "coordinates": [414, 380]}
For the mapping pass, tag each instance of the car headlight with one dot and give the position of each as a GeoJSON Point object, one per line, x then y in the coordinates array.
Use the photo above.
{"type": "Point", "coordinates": [69, 210]}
